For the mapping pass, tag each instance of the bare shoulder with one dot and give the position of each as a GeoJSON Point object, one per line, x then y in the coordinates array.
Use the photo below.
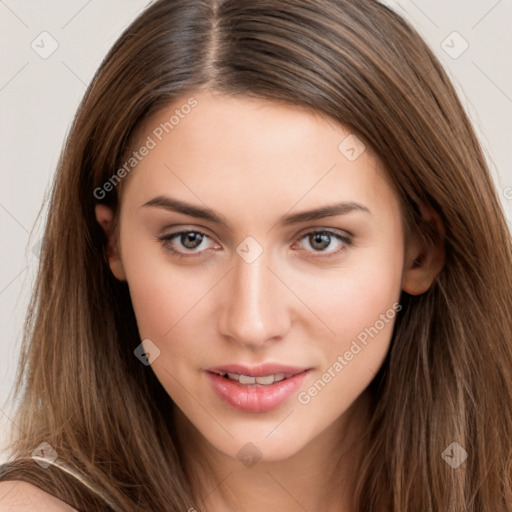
{"type": "Point", "coordinates": [20, 496]}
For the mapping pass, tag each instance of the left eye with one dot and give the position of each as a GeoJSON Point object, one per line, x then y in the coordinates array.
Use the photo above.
{"type": "Point", "coordinates": [191, 240]}
{"type": "Point", "coordinates": [320, 240]}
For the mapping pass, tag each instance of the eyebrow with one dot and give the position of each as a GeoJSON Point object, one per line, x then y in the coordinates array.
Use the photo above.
{"type": "Point", "coordinates": [191, 210]}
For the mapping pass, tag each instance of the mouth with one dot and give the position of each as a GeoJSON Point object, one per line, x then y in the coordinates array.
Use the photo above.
{"type": "Point", "coordinates": [264, 374]}
{"type": "Point", "coordinates": [256, 389]}
{"type": "Point", "coordinates": [249, 380]}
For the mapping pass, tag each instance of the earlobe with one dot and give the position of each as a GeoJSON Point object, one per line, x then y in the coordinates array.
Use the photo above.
{"type": "Point", "coordinates": [424, 261]}
{"type": "Point", "coordinates": [104, 216]}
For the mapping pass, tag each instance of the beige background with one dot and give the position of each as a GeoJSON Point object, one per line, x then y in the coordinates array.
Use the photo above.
{"type": "Point", "coordinates": [39, 94]}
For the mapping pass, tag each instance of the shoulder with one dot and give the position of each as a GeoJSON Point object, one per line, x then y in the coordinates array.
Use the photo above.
{"type": "Point", "coordinates": [20, 496]}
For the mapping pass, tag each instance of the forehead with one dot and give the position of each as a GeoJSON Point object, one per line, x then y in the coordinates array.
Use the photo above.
{"type": "Point", "coordinates": [240, 149]}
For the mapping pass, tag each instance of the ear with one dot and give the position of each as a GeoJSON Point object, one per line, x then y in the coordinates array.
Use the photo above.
{"type": "Point", "coordinates": [424, 262]}
{"type": "Point", "coordinates": [105, 215]}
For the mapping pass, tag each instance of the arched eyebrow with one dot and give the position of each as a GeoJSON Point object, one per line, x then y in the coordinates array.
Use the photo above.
{"type": "Point", "coordinates": [331, 210]}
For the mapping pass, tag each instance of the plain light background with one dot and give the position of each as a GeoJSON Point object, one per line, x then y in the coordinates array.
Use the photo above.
{"type": "Point", "coordinates": [39, 94]}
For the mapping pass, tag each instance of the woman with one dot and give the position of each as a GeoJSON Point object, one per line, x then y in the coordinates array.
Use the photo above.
{"type": "Point", "coordinates": [276, 276]}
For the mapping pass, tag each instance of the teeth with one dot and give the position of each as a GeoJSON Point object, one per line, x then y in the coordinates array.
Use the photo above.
{"type": "Point", "coordinates": [268, 379]}
{"type": "Point", "coordinates": [244, 379]}
{"type": "Point", "coordinates": [265, 380]}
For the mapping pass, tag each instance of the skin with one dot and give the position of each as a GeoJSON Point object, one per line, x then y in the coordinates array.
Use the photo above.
{"type": "Point", "coordinates": [253, 161]}
{"type": "Point", "coordinates": [20, 496]}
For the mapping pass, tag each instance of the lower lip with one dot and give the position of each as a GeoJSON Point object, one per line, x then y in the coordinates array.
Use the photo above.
{"type": "Point", "coordinates": [252, 398]}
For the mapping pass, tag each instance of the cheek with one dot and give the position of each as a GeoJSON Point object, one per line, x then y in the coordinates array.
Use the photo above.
{"type": "Point", "coordinates": [163, 298]}
{"type": "Point", "coordinates": [161, 294]}
{"type": "Point", "coordinates": [362, 315]}
{"type": "Point", "coordinates": [359, 304]}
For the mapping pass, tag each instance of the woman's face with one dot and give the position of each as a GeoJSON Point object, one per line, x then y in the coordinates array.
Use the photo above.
{"type": "Point", "coordinates": [249, 283]}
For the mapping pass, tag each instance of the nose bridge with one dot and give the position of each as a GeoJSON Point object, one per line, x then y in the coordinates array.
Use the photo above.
{"type": "Point", "coordinates": [254, 310]}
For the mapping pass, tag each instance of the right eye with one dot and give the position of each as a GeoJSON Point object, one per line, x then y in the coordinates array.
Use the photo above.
{"type": "Point", "coordinates": [189, 240]}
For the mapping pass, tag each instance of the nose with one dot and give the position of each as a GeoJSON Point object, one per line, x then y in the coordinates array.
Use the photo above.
{"type": "Point", "coordinates": [255, 304]}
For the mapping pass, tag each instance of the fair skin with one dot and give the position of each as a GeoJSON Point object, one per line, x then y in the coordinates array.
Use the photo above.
{"type": "Point", "coordinates": [19, 496]}
{"type": "Point", "coordinates": [252, 162]}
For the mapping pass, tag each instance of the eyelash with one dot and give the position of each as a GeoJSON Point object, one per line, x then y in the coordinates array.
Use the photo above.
{"type": "Point", "coordinates": [347, 241]}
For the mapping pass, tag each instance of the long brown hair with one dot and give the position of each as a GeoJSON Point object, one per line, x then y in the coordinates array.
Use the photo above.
{"type": "Point", "coordinates": [447, 376]}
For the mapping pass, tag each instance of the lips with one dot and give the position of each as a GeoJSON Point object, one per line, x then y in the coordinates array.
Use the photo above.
{"type": "Point", "coordinates": [255, 389]}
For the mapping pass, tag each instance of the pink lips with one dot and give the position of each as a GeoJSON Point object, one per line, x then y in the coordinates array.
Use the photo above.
{"type": "Point", "coordinates": [255, 397]}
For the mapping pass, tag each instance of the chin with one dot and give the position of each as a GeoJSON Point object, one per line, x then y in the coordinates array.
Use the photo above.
{"type": "Point", "coordinates": [262, 443]}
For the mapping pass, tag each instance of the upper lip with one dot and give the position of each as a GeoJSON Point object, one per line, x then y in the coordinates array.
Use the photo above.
{"type": "Point", "coordinates": [257, 371]}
